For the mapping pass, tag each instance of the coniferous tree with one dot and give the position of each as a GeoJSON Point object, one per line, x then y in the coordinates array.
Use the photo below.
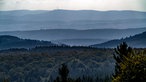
{"type": "Point", "coordinates": [63, 72]}
{"type": "Point", "coordinates": [133, 69]}
{"type": "Point", "coordinates": [122, 51]}
{"type": "Point", "coordinates": [130, 66]}
{"type": "Point", "coordinates": [78, 80]}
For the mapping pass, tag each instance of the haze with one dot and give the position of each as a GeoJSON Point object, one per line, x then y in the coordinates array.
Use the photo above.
{"type": "Point", "coordinates": [138, 5]}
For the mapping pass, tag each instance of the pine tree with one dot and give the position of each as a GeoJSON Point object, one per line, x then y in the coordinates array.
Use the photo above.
{"type": "Point", "coordinates": [78, 80]}
{"type": "Point", "coordinates": [133, 69]}
{"type": "Point", "coordinates": [63, 72]}
{"type": "Point", "coordinates": [122, 51]}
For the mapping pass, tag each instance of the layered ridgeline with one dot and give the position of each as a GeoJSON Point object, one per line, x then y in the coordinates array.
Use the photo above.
{"type": "Point", "coordinates": [137, 41]}
{"type": "Point", "coordinates": [7, 42]}
{"type": "Point", "coordinates": [60, 25]}
{"type": "Point", "coordinates": [70, 19]}
{"type": "Point", "coordinates": [76, 37]}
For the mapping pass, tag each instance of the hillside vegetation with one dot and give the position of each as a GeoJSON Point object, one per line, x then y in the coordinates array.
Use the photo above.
{"type": "Point", "coordinates": [41, 64]}
{"type": "Point", "coordinates": [7, 41]}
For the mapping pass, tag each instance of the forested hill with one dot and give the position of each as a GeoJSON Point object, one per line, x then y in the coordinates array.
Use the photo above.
{"type": "Point", "coordinates": [70, 19]}
{"type": "Point", "coordinates": [138, 41]}
{"type": "Point", "coordinates": [7, 41]}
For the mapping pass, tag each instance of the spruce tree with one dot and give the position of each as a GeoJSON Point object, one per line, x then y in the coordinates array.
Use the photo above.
{"type": "Point", "coordinates": [122, 51]}
{"type": "Point", "coordinates": [63, 72]}
{"type": "Point", "coordinates": [133, 69]}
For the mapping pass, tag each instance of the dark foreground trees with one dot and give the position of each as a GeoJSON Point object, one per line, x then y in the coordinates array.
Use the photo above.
{"type": "Point", "coordinates": [122, 51]}
{"type": "Point", "coordinates": [64, 77]}
{"type": "Point", "coordinates": [130, 66]}
{"type": "Point", "coordinates": [63, 74]}
{"type": "Point", "coordinates": [133, 69]}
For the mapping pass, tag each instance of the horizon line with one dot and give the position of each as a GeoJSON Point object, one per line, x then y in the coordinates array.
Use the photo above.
{"type": "Point", "coordinates": [75, 29]}
{"type": "Point", "coordinates": [70, 10]}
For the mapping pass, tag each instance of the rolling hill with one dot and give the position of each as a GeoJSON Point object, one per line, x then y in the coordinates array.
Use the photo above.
{"type": "Point", "coordinates": [7, 42]}
{"type": "Point", "coordinates": [79, 42]}
{"type": "Point", "coordinates": [74, 37]}
{"type": "Point", "coordinates": [137, 41]}
{"type": "Point", "coordinates": [60, 25]}
{"type": "Point", "coordinates": [70, 19]}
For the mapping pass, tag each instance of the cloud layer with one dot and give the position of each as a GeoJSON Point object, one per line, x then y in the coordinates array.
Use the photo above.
{"type": "Point", "coordinates": [73, 4]}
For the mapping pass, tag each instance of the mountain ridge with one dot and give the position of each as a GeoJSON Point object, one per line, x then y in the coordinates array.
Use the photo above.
{"type": "Point", "coordinates": [67, 19]}
{"type": "Point", "coordinates": [7, 42]}
{"type": "Point", "coordinates": [137, 41]}
{"type": "Point", "coordinates": [72, 34]}
{"type": "Point", "coordinates": [85, 34]}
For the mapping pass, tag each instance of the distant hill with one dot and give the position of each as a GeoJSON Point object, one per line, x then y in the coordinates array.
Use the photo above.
{"type": "Point", "coordinates": [7, 42]}
{"type": "Point", "coordinates": [138, 41]}
{"type": "Point", "coordinates": [73, 15]}
{"type": "Point", "coordinates": [74, 36]}
{"type": "Point", "coordinates": [70, 19]}
{"type": "Point", "coordinates": [60, 25]}
{"type": "Point", "coordinates": [79, 42]}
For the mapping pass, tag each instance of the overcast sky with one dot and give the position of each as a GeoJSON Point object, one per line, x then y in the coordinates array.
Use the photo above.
{"type": "Point", "coordinates": [138, 5]}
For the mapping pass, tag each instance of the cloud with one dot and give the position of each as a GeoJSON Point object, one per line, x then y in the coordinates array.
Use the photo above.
{"type": "Point", "coordinates": [73, 4]}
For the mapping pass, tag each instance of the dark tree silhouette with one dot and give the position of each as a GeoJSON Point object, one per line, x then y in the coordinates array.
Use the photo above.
{"type": "Point", "coordinates": [78, 80]}
{"type": "Point", "coordinates": [133, 69]}
{"type": "Point", "coordinates": [122, 51]}
{"type": "Point", "coordinates": [63, 72]}
{"type": "Point", "coordinates": [57, 79]}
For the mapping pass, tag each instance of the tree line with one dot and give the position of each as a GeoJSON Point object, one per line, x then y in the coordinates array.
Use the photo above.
{"type": "Point", "coordinates": [130, 66]}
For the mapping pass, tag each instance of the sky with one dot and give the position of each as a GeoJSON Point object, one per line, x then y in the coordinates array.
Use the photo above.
{"type": "Point", "coordinates": [103, 5]}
